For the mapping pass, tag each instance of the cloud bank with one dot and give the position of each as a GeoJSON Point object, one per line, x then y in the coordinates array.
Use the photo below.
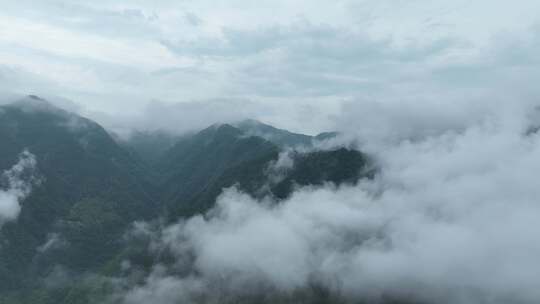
{"type": "Point", "coordinates": [450, 218]}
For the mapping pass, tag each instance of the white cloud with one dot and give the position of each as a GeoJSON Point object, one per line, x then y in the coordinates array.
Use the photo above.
{"type": "Point", "coordinates": [18, 187]}
{"type": "Point", "coordinates": [449, 219]}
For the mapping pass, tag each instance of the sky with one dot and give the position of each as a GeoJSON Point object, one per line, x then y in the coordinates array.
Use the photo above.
{"type": "Point", "coordinates": [296, 64]}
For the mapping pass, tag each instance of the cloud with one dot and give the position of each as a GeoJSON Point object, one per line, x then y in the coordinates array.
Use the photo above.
{"type": "Point", "coordinates": [277, 170]}
{"type": "Point", "coordinates": [54, 240]}
{"type": "Point", "coordinates": [100, 19]}
{"type": "Point", "coordinates": [307, 59]}
{"type": "Point", "coordinates": [19, 186]}
{"type": "Point", "coordinates": [449, 218]}
{"type": "Point", "coordinates": [165, 290]}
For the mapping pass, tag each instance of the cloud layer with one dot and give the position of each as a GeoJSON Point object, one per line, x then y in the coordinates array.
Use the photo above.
{"type": "Point", "coordinates": [450, 218]}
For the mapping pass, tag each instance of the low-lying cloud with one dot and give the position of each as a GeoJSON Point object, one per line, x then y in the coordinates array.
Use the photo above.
{"type": "Point", "coordinates": [450, 218]}
{"type": "Point", "coordinates": [19, 182]}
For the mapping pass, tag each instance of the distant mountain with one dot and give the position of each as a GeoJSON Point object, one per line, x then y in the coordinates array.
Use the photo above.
{"type": "Point", "coordinates": [94, 187]}
{"type": "Point", "coordinates": [326, 136]}
{"type": "Point", "coordinates": [149, 146]}
{"type": "Point", "coordinates": [282, 138]}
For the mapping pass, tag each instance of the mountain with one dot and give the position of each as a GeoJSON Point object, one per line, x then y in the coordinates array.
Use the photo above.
{"type": "Point", "coordinates": [259, 178]}
{"type": "Point", "coordinates": [340, 166]}
{"type": "Point", "coordinates": [198, 162]}
{"type": "Point", "coordinates": [196, 170]}
{"type": "Point", "coordinates": [93, 188]}
{"type": "Point", "coordinates": [326, 136]}
{"type": "Point", "coordinates": [282, 138]}
{"type": "Point", "coordinates": [84, 174]}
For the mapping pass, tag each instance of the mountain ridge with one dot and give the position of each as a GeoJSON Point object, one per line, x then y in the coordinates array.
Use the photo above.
{"type": "Point", "coordinates": [95, 187]}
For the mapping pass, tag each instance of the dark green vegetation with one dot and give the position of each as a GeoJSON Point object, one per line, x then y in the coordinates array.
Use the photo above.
{"type": "Point", "coordinates": [78, 161]}
{"type": "Point", "coordinates": [94, 187]}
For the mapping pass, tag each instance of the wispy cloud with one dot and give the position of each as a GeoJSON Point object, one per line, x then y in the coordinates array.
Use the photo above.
{"type": "Point", "coordinates": [19, 180]}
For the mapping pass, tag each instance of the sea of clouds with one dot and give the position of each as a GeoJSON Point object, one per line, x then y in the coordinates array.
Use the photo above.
{"type": "Point", "coordinates": [451, 217]}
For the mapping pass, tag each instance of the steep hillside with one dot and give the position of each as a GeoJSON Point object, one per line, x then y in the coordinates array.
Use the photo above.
{"type": "Point", "coordinates": [198, 162]}
{"type": "Point", "coordinates": [263, 177]}
{"type": "Point", "coordinates": [90, 189]}
{"type": "Point", "coordinates": [197, 169]}
{"type": "Point", "coordinates": [80, 165]}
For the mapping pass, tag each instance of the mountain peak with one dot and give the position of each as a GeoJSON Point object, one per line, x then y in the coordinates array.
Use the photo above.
{"type": "Point", "coordinates": [253, 124]}
{"type": "Point", "coordinates": [35, 97]}
{"type": "Point", "coordinates": [221, 130]}
{"type": "Point", "coordinates": [34, 103]}
{"type": "Point", "coordinates": [280, 137]}
{"type": "Point", "coordinates": [326, 136]}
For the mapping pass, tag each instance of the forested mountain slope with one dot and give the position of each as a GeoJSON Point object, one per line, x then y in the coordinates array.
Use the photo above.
{"type": "Point", "coordinates": [83, 174]}
{"type": "Point", "coordinates": [89, 189]}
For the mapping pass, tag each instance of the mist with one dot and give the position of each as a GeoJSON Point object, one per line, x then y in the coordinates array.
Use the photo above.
{"type": "Point", "coordinates": [19, 182]}
{"type": "Point", "coordinates": [449, 218]}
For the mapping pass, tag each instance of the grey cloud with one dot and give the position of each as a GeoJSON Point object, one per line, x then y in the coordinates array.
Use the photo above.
{"type": "Point", "coordinates": [507, 57]}
{"type": "Point", "coordinates": [193, 19]}
{"type": "Point", "coordinates": [451, 98]}
{"type": "Point", "coordinates": [303, 38]}
{"type": "Point", "coordinates": [95, 19]}
{"type": "Point", "coordinates": [310, 59]}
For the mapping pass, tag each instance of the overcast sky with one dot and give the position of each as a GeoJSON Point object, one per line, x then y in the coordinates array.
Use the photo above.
{"type": "Point", "coordinates": [294, 63]}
